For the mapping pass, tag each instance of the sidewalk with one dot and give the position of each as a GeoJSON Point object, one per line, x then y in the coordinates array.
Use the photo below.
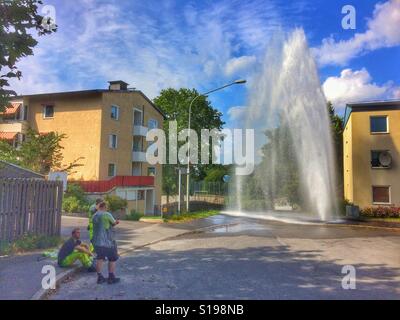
{"type": "Point", "coordinates": [20, 276]}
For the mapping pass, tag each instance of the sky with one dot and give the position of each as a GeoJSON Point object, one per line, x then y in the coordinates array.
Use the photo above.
{"type": "Point", "coordinates": [157, 44]}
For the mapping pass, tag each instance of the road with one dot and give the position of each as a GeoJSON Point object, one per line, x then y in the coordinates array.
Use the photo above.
{"type": "Point", "coordinates": [255, 259]}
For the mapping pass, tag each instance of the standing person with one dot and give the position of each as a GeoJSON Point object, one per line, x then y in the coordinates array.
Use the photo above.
{"type": "Point", "coordinates": [92, 212]}
{"type": "Point", "coordinates": [104, 243]}
{"type": "Point", "coordinates": [73, 249]}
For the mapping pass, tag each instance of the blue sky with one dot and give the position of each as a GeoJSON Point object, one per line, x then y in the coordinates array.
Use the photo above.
{"type": "Point", "coordinates": [203, 44]}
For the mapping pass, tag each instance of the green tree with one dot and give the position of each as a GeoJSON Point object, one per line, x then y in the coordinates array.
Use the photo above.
{"type": "Point", "coordinates": [279, 168]}
{"type": "Point", "coordinates": [175, 105]}
{"type": "Point", "coordinates": [337, 134]}
{"type": "Point", "coordinates": [217, 172]}
{"type": "Point", "coordinates": [17, 20]}
{"type": "Point", "coordinates": [40, 153]}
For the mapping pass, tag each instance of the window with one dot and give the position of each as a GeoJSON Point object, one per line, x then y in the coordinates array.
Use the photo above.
{"type": "Point", "coordinates": [25, 115]}
{"type": "Point", "coordinates": [381, 195]}
{"type": "Point", "coordinates": [379, 124]}
{"type": "Point", "coordinates": [112, 170]}
{"type": "Point", "coordinates": [380, 159]}
{"type": "Point", "coordinates": [48, 111]}
{"type": "Point", "coordinates": [151, 171]}
{"type": "Point", "coordinates": [137, 144]}
{"type": "Point", "coordinates": [136, 169]}
{"type": "Point", "coordinates": [153, 124]}
{"type": "Point", "coordinates": [113, 141]}
{"type": "Point", "coordinates": [131, 195]}
{"type": "Point", "coordinates": [137, 117]}
{"type": "Point", "coordinates": [140, 194]}
{"type": "Point", "coordinates": [115, 112]}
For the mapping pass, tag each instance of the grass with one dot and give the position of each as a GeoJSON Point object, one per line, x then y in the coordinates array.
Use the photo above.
{"type": "Point", "coordinates": [382, 219]}
{"type": "Point", "coordinates": [191, 216]}
{"type": "Point", "coordinates": [29, 243]}
{"type": "Point", "coordinates": [151, 217]}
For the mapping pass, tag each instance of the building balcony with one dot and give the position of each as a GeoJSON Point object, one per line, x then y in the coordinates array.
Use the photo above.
{"type": "Point", "coordinates": [139, 156]}
{"type": "Point", "coordinates": [116, 182]}
{"type": "Point", "coordinates": [139, 130]}
{"type": "Point", "coordinates": [14, 126]}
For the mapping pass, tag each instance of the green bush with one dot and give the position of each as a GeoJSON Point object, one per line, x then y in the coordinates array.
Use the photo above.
{"type": "Point", "coordinates": [70, 204]}
{"type": "Point", "coordinates": [5, 248]}
{"type": "Point", "coordinates": [342, 206]}
{"type": "Point", "coordinates": [75, 190]}
{"type": "Point", "coordinates": [134, 216]}
{"type": "Point", "coordinates": [75, 200]}
{"type": "Point", "coordinates": [28, 243]}
{"type": "Point", "coordinates": [115, 203]}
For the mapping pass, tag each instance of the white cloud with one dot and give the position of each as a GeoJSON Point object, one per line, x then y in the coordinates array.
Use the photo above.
{"type": "Point", "coordinates": [237, 113]}
{"type": "Point", "coordinates": [240, 64]}
{"type": "Point", "coordinates": [396, 93]}
{"type": "Point", "coordinates": [382, 31]}
{"type": "Point", "coordinates": [151, 48]}
{"type": "Point", "coordinates": [353, 86]}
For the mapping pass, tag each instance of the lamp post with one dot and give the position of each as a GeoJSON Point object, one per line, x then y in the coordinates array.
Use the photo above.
{"type": "Point", "coordinates": [189, 127]}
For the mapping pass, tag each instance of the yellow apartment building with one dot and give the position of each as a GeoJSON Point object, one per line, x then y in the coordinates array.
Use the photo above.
{"type": "Point", "coordinates": [106, 129]}
{"type": "Point", "coordinates": [371, 142]}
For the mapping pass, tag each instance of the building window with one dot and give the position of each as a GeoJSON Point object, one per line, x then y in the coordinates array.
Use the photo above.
{"type": "Point", "coordinates": [113, 141]}
{"type": "Point", "coordinates": [140, 194]}
{"type": "Point", "coordinates": [25, 114]}
{"type": "Point", "coordinates": [136, 169]}
{"type": "Point", "coordinates": [137, 144]}
{"type": "Point", "coordinates": [112, 170]}
{"type": "Point", "coordinates": [151, 171]}
{"type": "Point", "coordinates": [381, 195]}
{"type": "Point", "coordinates": [379, 124]}
{"type": "Point", "coordinates": [153, 124]}
{"type": "Point", "coordinates": [380, 159]}
{"type": "Point", "coordinates": [48, 111]}
{"type": "Point", "coordinates": [115, 112]}
{"type": "Point", "coordinates": [137, 117]}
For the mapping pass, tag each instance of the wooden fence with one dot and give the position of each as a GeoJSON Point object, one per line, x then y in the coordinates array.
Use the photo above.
{"type": "Point", "coordinates": [29, 206]}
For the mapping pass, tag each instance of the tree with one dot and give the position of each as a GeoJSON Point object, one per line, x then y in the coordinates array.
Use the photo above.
{"type": "Point", "coordinates": [17, 19]}
{"type": "Point", "coordinates": [279, 168]}
{"type": "Point", "coordinates": [175, 105]}
{"type": "Point", "coordinates": [41, 153]}
{"type": "Point", "coordinates": [217, 172]}
{"type": "Point", "coordinates": [337, 133]}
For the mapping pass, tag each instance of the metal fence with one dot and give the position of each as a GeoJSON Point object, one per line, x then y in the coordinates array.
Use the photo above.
{"type": "Point", "coordinates": [29, 206]}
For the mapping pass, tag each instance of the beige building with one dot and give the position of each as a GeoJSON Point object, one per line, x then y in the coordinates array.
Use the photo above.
{"type": "Point", "coordinates": [371, 141]}
{"type": "Point", "coordinates": [105, 129]}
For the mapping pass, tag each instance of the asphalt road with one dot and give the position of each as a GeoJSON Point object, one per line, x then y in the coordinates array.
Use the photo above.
{"type": "Point", "coordinates": [256, 259]}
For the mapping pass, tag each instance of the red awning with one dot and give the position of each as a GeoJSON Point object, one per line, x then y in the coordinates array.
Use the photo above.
{"type": "Point", "coordinates": [11, 109]}
{"type": "Point", "coordinates": [8, 135]}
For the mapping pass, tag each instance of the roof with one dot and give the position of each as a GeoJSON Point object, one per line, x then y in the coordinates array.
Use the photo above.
{"type": "Point", "coordinates": [11, 109]}
{"type": "Point", "coordinates": [118, 82]}
{"type": "Point", "coordinates": [89, 92]}
{"type": "Point", "coordinates": [8, 135]}
{"type": "Point", "coordinates": [370, 106]}
{"type": "Point", "coordinates": [10, 170]}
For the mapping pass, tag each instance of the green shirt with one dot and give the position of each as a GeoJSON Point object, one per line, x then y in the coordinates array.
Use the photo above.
{"type": "Point", "coordinates": [103, 233]}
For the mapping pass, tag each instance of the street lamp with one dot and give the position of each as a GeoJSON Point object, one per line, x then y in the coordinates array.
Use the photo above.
{"type": "Point", "coordinates": [189, 127]}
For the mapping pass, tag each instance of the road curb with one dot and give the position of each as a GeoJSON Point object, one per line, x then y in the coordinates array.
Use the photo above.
{"type": "Point", "coordinates": [363, 226]}
{"type": "Point", "coordinates": [41, 294]}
